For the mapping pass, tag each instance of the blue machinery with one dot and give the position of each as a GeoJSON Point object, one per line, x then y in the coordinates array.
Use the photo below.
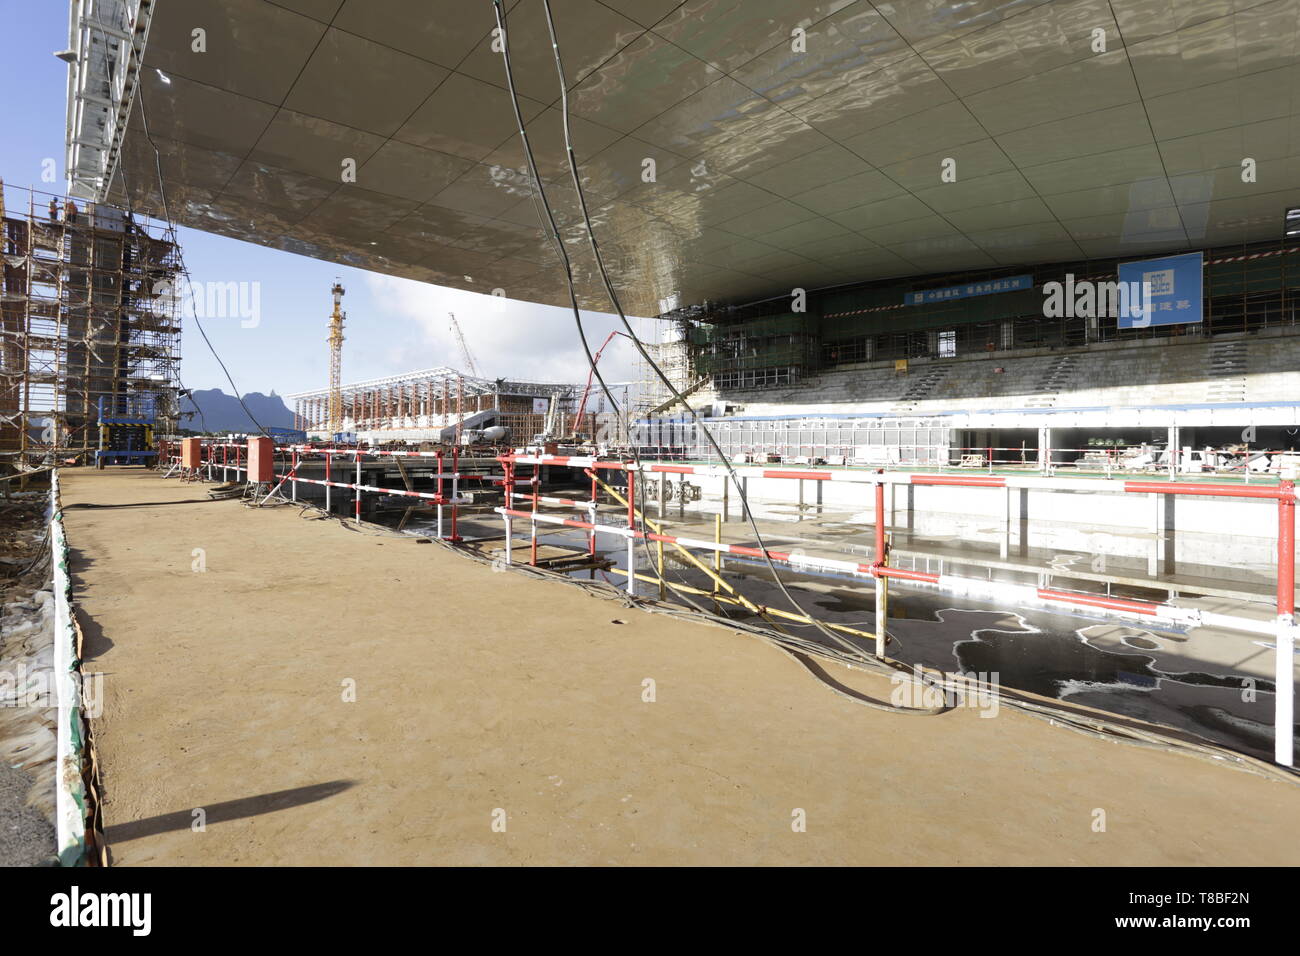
{"type": "Point", "coordinates": [126, 433]}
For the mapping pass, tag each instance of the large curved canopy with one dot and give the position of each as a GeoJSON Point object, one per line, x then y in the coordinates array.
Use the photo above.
{"type": "Point", "coordinates": [1078, 128]}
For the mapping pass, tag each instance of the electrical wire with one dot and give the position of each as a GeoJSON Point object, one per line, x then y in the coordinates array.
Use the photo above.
{"type": "Point", "coordinates": [184, 269]}
{"type": "Point", "coordinates": [1087, 723]}
{"type": "Point", "coordinates": [130, 211]}
{"type": "Point", "coordinates": [614, 301]}
{"type": "Point", "coordinates": [807, 653]}
{"type": "Point", "coordinates": [550, 227]}
{"type": "Point", "coordinates": [853, 651]}
{"type": "Point", "coordinates": [189, 393]}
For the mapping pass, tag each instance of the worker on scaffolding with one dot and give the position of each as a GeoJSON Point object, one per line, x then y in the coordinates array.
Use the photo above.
{"type": "Point", "coordinates": [54, 209]}
{"type": "Point", "coordinates": [70, 213]}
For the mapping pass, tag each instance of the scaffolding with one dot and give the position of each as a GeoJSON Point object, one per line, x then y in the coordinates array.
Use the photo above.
{"type": "Point", "coordinates": [88, 320]}
{"type": "Point", "coordinates": [665, 342]}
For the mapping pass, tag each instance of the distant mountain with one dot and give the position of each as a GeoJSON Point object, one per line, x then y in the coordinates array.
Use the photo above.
{"type": "Point", "coordinates": [223, 413]}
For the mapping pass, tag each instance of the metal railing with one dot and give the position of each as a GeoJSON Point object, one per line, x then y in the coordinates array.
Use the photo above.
{"type": "Point", "coordinates": [1282, 630]}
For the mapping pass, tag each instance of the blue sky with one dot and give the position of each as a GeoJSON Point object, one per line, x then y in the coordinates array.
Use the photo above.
{"type": "Point", "coordinates": [394, 325]}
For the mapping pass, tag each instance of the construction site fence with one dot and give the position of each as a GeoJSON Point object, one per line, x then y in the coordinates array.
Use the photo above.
{"type": "Point", "coordinates": [343, 468]}
{"type": "Point", "coordinates": [1282, 630]}
{"type": "Point", "coordinates": [228, 462]}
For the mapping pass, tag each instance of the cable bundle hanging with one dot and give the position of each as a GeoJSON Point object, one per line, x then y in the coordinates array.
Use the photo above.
{"type": "Point", "coordinates": [614, 299]}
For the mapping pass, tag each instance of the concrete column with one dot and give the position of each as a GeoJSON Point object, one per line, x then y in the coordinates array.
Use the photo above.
{"type": "Point", "coordinates": [1174, 450]}
{"type": "Point", "coordinates": [1045, 450]}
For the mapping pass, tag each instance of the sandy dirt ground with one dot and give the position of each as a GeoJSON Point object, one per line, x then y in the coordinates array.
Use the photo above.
{"type": "Point", "coordinates": [481, 696]}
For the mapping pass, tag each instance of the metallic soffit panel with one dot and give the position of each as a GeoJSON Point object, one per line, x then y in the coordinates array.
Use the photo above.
{"type": "Point", "coordinates": [774, 168]}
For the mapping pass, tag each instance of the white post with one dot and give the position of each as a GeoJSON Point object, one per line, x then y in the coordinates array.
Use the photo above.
{"type": "Point", "coordinates": [1154, 556]}
{"type": "Point", "coordinates": [882, 610]}
{"type": "Point", "coordinates": [509, 535]}
{"type": "Point", "coordinates": [1005, 549]}
{"type": "Point", "coordinates": [1284, 694]}
{"type": "Point", "coordinates": [631, 565]}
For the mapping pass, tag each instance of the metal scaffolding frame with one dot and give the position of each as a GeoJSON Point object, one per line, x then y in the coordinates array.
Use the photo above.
{"type": "Point", "coordinates": [88, 316]}
{"type": "Point", "coordinates": [106, 41]}
{"type": "Point", "coordinates": [431, 399]}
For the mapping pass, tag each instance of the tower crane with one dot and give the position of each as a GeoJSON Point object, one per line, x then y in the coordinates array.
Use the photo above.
{"type": "Point", "coordinates": [335, 341]}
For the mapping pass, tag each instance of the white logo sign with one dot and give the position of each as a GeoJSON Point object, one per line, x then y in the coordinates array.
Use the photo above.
{"type": "Point", "coordinates": [1161, 282]}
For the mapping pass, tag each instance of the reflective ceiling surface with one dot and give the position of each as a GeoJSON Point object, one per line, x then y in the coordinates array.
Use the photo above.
{"type": "Point", "coordinates": [774, 168]}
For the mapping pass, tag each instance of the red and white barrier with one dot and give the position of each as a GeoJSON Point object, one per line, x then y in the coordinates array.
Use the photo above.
{"type": "Point", "coordinates": [1282, 630]}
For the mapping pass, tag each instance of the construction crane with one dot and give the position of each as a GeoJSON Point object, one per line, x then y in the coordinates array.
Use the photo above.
{"type": "Point", "coordinates": [586, 392]}
{"type": "Point", "coordinates": [335, 340]}
{"type": "Point", "coordinates": [464, 348]}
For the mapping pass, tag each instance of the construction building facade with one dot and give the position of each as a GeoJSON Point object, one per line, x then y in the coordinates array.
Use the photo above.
{"type": "Point", "coordinates": [438, 404]}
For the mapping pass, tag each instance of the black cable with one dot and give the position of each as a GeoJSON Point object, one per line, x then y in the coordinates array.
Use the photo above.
{"type": "Point", "coordinates": [553, 233]}
{"type": "Point", "coordinates": [614, 300]}
{"type": "Point", "coordinates": [189, 393]}
{"type": "Point", "coordinates": [565, 261]}
{"type": "Point", "coordinates": [184, 269]}
{"type": "Point", "coordinates": [130, 211]}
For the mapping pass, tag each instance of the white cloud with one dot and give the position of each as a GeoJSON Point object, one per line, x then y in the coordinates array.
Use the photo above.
{"type": "Point", "coordinates": [508, 338]}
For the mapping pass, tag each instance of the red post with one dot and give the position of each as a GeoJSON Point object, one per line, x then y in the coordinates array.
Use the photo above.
{"type": "Point", "coordinates": [455, 489]}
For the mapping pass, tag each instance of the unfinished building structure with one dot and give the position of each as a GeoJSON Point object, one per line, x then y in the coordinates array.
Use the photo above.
{"type": "Point", "coordinates": [439, 404]}
{"type": "Point", "coordinates": [89, 323]}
